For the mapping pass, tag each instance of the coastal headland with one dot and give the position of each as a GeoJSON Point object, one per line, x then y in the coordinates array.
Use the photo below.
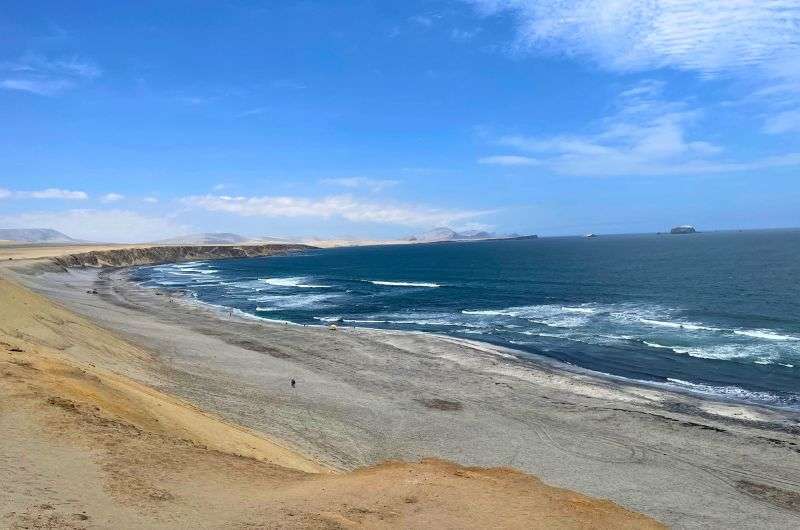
{"type": "Point", "coordinates": [133, 407]}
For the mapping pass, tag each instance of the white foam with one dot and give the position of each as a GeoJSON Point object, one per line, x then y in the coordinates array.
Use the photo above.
{"type": "Point", "coordinates": [656, 345]}
{"type": "Point", "coordinates": [294, 281]}
{"type": "Point", "coordinates": [764, 334]}
{"type": "Point", "coordinates": [678, 325]}
{"type": "Point", "coordinates": [541, 311]}
{"type": "Point", "coordinates": [294, 301]}
{"type": "Point", "coordinates": [403, 284]}
{"type": "Point", "coordinates": [328, 319]}
{"type": "Point", "coordinates": [727, 391]}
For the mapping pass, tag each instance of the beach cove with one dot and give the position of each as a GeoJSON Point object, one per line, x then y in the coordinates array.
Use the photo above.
{"type": "Point", "coordinates": [364, 396]}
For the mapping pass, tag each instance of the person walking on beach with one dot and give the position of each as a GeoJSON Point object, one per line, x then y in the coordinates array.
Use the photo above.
{"type": "Point", "coordinates": [293, 383]}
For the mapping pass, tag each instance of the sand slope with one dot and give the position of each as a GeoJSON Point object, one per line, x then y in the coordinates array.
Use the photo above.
{"type": "Point", "coordinates": [83, 446]}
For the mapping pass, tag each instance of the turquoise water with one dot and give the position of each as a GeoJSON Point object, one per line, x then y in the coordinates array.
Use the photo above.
{"type": "Point", "coordinates": [716, 312]}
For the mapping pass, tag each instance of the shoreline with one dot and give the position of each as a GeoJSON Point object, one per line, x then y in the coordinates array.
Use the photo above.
{"type": "Point", "coordinates": [369, 395]}
{"type": "Point", "coordinates": [509, 352]}
{"type": "Point", "coordinates": [89, 441]}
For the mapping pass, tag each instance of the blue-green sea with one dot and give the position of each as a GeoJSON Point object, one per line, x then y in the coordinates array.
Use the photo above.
{"type": "Point", "coordinates": [716, 313]}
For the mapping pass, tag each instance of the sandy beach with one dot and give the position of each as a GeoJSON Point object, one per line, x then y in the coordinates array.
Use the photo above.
{"type": "Point", "coordinates": [363, 397]}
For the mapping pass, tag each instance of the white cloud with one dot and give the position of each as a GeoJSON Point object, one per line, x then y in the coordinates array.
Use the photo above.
{"type": "Point", "coordinates": [645, 136]}
{"type": "Point", "coordinates": [41, 87]}
{"type": "Point", "coordinates": [150, 200]}
{"type": "Point", "coordinates": [40, 75]}
{"type": "Point", "coordinates": [4, 193]}
{"type": "Point", "coordinates": [783, 122]}
{"type": "Point", "coordinates": [118, 226]}
{"type": "Point", "coordinates": [373, 185]}
{"type": "Point", "coordinates": [706, 36]}
{"type": "Point", "coordinates": [342, 206]}
{"type": "Point", "coordinates": [755, 41]}
{"type": "Point", "coordinates": [509, 160]}
{"type": "Point", "coordinates": [111, 197]}
{"type": "Point", "coordinates": [52, 193]}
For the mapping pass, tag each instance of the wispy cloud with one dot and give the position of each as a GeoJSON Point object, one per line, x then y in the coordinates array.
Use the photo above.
{"type": "Point", "coordinates": [150, 200]}
{"type": "Point", "coordinates": [341, 206]}
{"type": "Point", "coordinates": [252, 112]}
{"type": "Point", "coordinates": [644, 136]}
{"type": "Point", "coordinates": [4, 193]}
{"type": "Point", "coordinates": [783, 122]}
{"type": "Point", "coordinates": [37, 74]}
{"type": "Point", "coordinates": [41, 87]}
{"type": "Point", "coordinates": [707, 36]}
{"type": "Point", "coordinates": [111, 197]}
{"type": "Point", "coordinates": [51, 193]}
{"type": "Point", "coordinates": [464, 35]}
{"type": "Point", "coordinates": [755, 41]}
{"type": "Point", "coordinates": [119, 226]}
{"type": "Point", "coordinates": [509, 160]}
{"type": "Point", "coordinates": [374, 185]}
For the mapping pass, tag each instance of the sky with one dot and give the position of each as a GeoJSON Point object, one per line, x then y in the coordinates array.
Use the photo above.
{"type": "Point", "coordinates": [136, 121]}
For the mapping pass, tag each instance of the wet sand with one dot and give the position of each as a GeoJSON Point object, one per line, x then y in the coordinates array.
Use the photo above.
{"type": "Point", "coordinates": [364, 396]}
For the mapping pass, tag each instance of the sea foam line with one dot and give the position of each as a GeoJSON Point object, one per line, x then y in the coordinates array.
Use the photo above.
{"type": "Point", "coordinates": [404, 284]}
{"type": "Point", "coordinates": [294, 281]}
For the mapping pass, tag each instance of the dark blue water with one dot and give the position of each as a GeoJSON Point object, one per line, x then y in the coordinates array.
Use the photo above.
{"type": "Point", "coordinates": [716, 312]}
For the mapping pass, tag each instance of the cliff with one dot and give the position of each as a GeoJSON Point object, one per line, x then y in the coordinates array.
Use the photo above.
{"type": "Point", "coordinates": [127, 257]}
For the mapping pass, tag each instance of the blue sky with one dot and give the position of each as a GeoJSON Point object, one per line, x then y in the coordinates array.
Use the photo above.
{"type": "Point", "coordinates": [133, 121]}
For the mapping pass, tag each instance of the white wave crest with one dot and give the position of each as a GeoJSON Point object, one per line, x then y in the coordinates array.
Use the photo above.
{"type": "Point", "coordinates": [764, 334]}
{"type": "Point", "coordinates": [679, 325]}
{"type": "Point", "coordinates": [734, 392]}
{"type": "Point", "coordinates": [404, 284]}
{"type": "Point", "coordinates": [294, 281]}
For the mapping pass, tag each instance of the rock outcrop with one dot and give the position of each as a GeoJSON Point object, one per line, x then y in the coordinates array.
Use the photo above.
{"type": "Point", "coordinates": [683, 229]}
{"type": "Point", "coordinates": [127, 257]}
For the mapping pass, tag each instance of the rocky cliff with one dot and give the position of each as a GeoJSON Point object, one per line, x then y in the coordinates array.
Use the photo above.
{"type": "Point", "coordinates": [127, 257]}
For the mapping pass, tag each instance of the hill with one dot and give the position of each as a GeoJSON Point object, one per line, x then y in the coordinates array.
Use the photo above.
{"type": "Point", "coordinates": [35, 235]}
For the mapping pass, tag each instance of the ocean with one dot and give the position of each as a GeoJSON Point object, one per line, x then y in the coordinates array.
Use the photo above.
{"type": "Point", "coordinates": [715, 313]}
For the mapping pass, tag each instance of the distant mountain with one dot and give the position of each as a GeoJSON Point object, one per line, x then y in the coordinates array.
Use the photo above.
{"type": "Point", "coordinates": [437, 234]}
{"type": "Point", "coordinates": [271, 239]}
{"type": "Point", "coordinates": [448, 234]}
{"type": "Point", "coordinates": [217, 238]}
{"type": "Point", "coordinates": [35, 235]}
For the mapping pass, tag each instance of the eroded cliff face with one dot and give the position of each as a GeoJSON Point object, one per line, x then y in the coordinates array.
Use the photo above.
{"type": "Point", "coordinates": [127, 257]}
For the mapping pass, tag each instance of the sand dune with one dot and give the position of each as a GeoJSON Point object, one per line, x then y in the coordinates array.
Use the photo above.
{"type": "Point", "coordinates": [83, 445]}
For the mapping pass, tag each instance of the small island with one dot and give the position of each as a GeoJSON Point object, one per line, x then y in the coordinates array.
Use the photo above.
{"type": "Point", "coordinates": [683, 229]}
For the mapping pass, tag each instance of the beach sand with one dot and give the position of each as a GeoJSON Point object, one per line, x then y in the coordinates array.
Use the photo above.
{"type": "Point", "coordinates": [367, 396]}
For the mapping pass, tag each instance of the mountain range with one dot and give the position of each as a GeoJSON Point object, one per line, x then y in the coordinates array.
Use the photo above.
{"type": "Point", "coordinates": [448, 234]}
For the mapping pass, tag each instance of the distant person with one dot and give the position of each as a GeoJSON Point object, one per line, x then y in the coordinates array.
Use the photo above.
{"type": "Point", "coordinates": [293, 383]}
